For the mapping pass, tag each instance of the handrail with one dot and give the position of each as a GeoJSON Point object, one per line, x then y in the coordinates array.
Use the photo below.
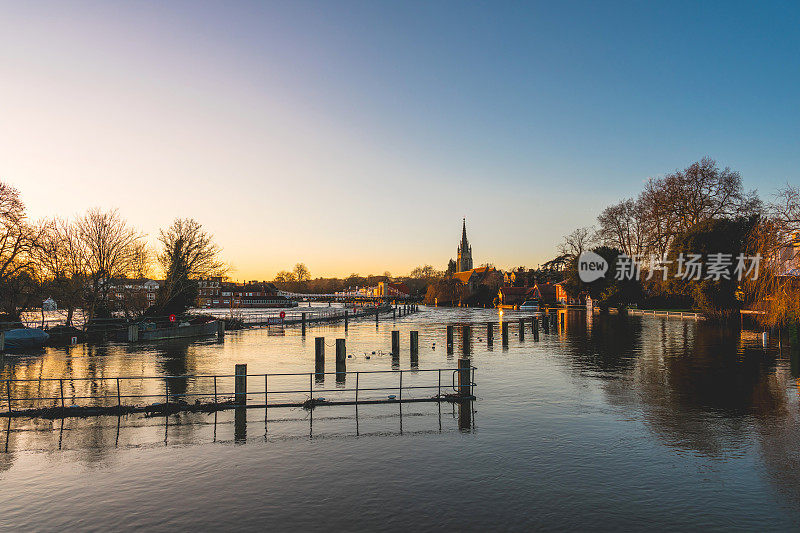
{"type": "Point", "coordinates": [167, 395]}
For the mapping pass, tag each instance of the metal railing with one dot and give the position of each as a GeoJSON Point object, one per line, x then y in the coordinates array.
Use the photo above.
{"type": "Point", "coordinates": [114, 393]}
{"type": "Point", "coordinates": [654, 312]}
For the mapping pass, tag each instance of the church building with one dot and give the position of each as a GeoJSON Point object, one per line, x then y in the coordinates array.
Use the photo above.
{"type": "Point", "coordinates": [464, 261]}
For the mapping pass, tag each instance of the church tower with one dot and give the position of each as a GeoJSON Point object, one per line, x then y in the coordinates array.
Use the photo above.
{"type": "Point", "coordinates": [464, 251]}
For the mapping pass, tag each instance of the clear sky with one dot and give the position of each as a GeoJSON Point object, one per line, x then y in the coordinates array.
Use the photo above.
{"type": "Point", "coordinates": [355, 136]}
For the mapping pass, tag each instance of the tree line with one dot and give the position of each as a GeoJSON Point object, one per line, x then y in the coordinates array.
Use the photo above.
{"type": "Point", "coordinates": [702, 209]}
{"type": "Point", "coordinates": [82, 261]}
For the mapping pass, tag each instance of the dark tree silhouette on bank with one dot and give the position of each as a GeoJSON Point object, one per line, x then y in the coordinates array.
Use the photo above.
{"type": "Point", "coordinates": [187, 254]}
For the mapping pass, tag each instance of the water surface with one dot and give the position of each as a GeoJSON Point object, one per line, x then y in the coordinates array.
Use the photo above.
{"type": "Point", "coordinates": [612, 422]}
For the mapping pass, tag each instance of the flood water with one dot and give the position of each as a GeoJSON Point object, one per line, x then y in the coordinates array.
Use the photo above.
{"type": "Point", "coordinates": [613, 422]}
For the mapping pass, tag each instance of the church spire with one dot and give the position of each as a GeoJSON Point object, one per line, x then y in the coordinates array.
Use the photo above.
{"type": "Point", "coordinates": [464, 250]}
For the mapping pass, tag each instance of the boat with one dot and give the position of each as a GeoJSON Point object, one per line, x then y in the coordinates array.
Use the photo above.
{"type": "Point", "coordinates": [529, 305]}
{"type": "Point", "coordinates": [21, 338]}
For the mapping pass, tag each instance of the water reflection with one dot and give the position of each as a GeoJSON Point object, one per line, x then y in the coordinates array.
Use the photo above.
{"type": "Point", "coordinates": [679, 393]}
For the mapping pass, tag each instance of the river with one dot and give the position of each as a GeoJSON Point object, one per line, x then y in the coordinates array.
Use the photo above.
{"type": "Point", "coordinates": [611, 423]}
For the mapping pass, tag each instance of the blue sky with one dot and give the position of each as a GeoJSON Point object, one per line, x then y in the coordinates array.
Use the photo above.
{"type": "Point", "coordinates": [354, 136]}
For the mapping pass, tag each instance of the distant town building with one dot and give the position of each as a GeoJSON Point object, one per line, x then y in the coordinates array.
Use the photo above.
{"type": "Point", "coordinates": [512, 297]}
{"type": "Point", "coordinates": [464, 261]}
{"type": "Point", "coordinates": [216, 293]}
{"type": "Point", "coordinates": [474, 276]}
{"type": "Point", "coordinates": [392, 288]}
{"type": "Point", "coordinates": [125, 289]}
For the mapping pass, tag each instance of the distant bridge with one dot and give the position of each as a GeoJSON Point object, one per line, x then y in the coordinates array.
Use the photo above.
{"type": "Point", "coordinates": [344, 297]}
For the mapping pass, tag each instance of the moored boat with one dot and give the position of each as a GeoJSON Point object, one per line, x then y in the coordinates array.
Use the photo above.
{"type": "Point", "coordinates": [21, 338]}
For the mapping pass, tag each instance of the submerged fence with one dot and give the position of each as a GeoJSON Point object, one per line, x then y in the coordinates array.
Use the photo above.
{"type": "Point", "coordinates": [55, 397]}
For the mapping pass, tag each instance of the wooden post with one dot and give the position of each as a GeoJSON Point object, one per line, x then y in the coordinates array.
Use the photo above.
{"type": "Point", "coordinates": [240, 384]}
{"type": "Point", "coordinates": [302, 324]}
{"type": "Point", "coordinates": [535, 327]}
{"type": "Point", "coordinates": [546, 323]}
{"type": "Point", "coordinates": [61, 386]}
{"type": "Point", "coordinates": [119, 397]}
{"type": "Point", "coordinates": [449, 335]}
{"type": "Point", "coordinates": [562, 320]}
{"type": "Point", "coordinates": [504, 333]}
{"type": "Point", "coordinates": [466, 339]}
{"type": "Point", "coordinates": [133, 333]}
{"type": "Point", "coordinates": [395, 343]}
{"type": "Point", "coordinates": [521, 329]}
{"type": "Point", "coordinates": [414, 348]}
{"type": "Point", "coordinates": [464, 371]}
{"type": "Point", "coordinates": [489, 333]}
{"type": "Point", "coordinates": [2, 341]}
{"type": "Point", "coordinates": [394, 313]}
{"type": "Point", "coordinates": [319, 357]}
{"type": "Point", "coordinates": [221, 329]}
{"type": "Point", "coordinates": [346, 318]}
{"type": "Point", "coordinates": [341, 360]}
{"type": "Point", "coordinates": [376, 316]}
{"type": "Point", "coordinates": [8, 393]}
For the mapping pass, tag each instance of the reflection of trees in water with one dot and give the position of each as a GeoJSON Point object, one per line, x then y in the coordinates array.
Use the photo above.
{"type": "Point", "coordinates": [701, 389]}
{"type": "Point", "coordinates": [698, 390]}
{"type": "Point", "coordinates": [611, 344]}
{"type": "Point", "coordinates": [174, 360]}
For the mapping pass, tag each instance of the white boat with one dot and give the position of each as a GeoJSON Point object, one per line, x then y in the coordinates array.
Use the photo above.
{"type": "Point", "coordinates": [529, 305]}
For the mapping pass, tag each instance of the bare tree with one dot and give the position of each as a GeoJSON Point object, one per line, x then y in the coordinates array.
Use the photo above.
{"type": "Point", "coordinates": [111, 252]}
{"type": "Point", "coordinates": [284, 276]}
{"type": "Point", "coordinates": [301, 272]}
{"type": "Point", "coordinates": [576, 242]}
{"type": "Point", "coordinates": [702, 191]}
{"type": "Point", "coordinates": [17, 241]}
{"type": "Point", "coordinates": [188, 253]}
{"type": "Point", "coordinates": [425, 272]}
{"type": "Point", "coordinates": [775, 291]}
{"type": "Point", "coordinates": [624, 226]}
{"type": "Point", "coordinates": [62, 262]}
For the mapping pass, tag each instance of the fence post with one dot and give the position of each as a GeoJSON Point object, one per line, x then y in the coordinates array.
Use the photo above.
{"type": "Point", "coordinates": [240, 384]}
{"type": "Point", "coordinates": [341, 360]}
{"type": "Point", "coordinates": [61, 386]}
{"type": "Point", "coordinates": [464, 368]}
{"type": "Point", "coordinates": [119, 397]}
{"type": "Point", "coordinates": [8, 393]}
{"type": "Point", "coordinates": [302, 324]}
{"type": "Point", "coordinates": [319, 357]}
{"type": "Point", "coordinates": [521, 329]}
{"type": "Point", "coordinates": [466, 339]}
{"type": "Point", "coordinates": [395, 343]}
{"type": "Point", "coordinates": [215, 390]}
